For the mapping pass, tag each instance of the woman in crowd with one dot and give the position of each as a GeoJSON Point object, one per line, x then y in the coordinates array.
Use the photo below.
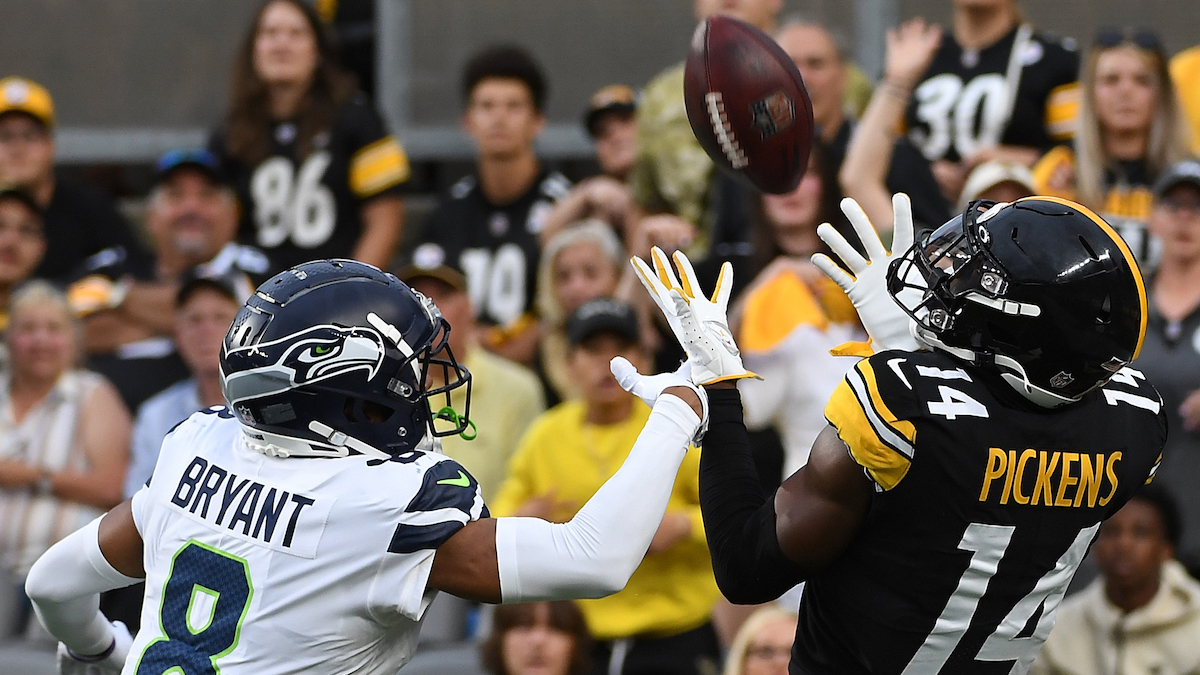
{"type": "Point", "coordinates": [317, 173]}
{"type": "Point", "coordinates": [541, 638]}
{"type": "Point", "coordinates": [1170, 356]}
{"type": "Point", "coordinates": [581, 263]}
{"type": "Point", "coordinates": [64, 433]}
{"type": "Point", "coordinates": [763, 644]}
{"type": "Point", "coordinates": [791, 315]}
{"type": "Point", "coordinates": [1129, 130]}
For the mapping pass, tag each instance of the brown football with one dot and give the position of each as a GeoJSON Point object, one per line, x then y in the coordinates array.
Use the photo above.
{"type": "Point", "coordinates": [747, 104]}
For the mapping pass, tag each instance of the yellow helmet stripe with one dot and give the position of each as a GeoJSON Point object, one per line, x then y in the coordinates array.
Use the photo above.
{"type": "Point", "coordinates": [1137, 272]}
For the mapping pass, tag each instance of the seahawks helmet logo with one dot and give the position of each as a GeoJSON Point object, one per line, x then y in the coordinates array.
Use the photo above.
{"type": "Point", "coordinates": [311, 355]}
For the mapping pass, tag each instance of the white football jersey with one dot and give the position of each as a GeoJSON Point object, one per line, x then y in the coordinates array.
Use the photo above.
{"type": "Point", "coordinates": [266, 565]}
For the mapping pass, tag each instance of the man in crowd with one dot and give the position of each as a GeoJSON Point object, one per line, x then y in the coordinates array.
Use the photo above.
{"type": "Point", "coordinates": [204, 309]}
{"type": "Point", "coordinates": [821, 59]}
{"type": "Point", "coordinates": [22, 243]}
{"type": "Point", "coordinates": [1143, 614]}
{"type": "Point", "coordinates": [128, 303]}
{"type": "Point", "coordinates": [78, 221]}
{"type": "Point", "coordinates": [488, 225]}
{"type": "Point", "coordinates": [611, 124]}
{"type": "Point", "coordinates": [660, 622]}
{"type": "Point", "coordinates": [672, 174]}
{"type": "Point", "coordinates": [505, 397]}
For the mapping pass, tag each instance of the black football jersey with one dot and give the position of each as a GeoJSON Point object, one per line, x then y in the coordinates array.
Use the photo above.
{"type": "Point", "coordinates": [985, 505]}
{"type": "Point", "coordinates": [306, 208]}
{"type": "Point", "coordinates": [961, 103]}
{"type": "Point", "coordinates": [494, 245]}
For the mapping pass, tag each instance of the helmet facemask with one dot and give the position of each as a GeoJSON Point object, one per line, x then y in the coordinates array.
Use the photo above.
{"type": "Point", "coordinates": [957, 292]}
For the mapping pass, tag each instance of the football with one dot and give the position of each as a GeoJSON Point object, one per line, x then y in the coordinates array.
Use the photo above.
{"type": "Point", "coordinates": [747, 104]}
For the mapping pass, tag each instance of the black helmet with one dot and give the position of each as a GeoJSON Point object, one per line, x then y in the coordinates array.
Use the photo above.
{"type": "Point", "coordinates": [1041, 289]}
{"type": "Point", "coordinates": [333, 356]}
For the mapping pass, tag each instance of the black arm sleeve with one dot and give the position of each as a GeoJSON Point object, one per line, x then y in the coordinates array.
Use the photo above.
{"type": "Point", "coordinates": [739, 519]}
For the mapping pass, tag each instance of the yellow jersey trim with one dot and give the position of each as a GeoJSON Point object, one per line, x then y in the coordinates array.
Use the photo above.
{"type": "Point", "coordinates": [378, 166]}
{"type": "Point", "coordinates": [904, 428]}
{"type": "Point", "coordinates": [1062, 109]}
{"type": "Point", "coordinates": [883, 464]}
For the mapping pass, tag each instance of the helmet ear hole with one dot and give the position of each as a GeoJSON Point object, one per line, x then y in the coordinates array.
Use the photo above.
{"type": "Point", "coordinates": [359, 410]}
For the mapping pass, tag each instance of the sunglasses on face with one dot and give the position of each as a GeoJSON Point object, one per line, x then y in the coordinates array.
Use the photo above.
{"type": "Point", "coordinates": [1115, 37]}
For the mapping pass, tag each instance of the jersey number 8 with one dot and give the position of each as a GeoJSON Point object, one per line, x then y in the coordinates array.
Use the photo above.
{"type": "Point", "coordinates": [204, 602]}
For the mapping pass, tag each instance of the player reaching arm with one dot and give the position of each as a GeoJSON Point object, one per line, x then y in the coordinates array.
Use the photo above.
{"type": "Point", "coordinates": [322, 477]}
{"type": "Point", "coordinates": [968, 461]}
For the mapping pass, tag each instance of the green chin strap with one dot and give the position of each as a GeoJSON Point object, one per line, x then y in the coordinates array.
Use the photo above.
{"type": "Point", "coordinates": [469, 433]}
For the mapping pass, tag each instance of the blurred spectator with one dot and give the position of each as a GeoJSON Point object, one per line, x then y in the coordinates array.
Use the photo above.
{"type": "Point", "coordinates": [1130, 129]}
{"type": "Point", "coordinates": [580, 264]}
{"type": "Point", "coordinates": [488, 225]}
{"type": "Point", "coordinates": [821, 59]}
{"type": "Point", "coordinates": [540, 638]}
{"type": "Point", "coordinates": [64, 434]}
{"type": "Point", "coordinates": [316, 171]}
{"type": "Point", "coordinates": [505, 397]}
{"type": "Point", "coordinates": [763, 645]}
{"type": "Point", "coordinates": [660, 622]}
{"type": "Point", "coordinates": [204, 309]}
{"type": "Point", "coordinates": [77, 220]}
{"type": "Point", "coordinates": [998, 181]}
{"type": "Point", "coordinates": [877, 161]}
{"type": "Point", "coordinates": [1170, 356]}
{"type": "Point", "coordinates": [128, 304]}
{"type": "Point", "coordinates": [1185, 72]}
{"type": "Point", "coordinates": [996, 89]}
{"type": "Point", "coordinates": [1142, 617]}
{"type": "Point", "coordinates": [610, 122]}
{"type": "Point", "coordinates": [672, 173]}
{"type": "Point", "coordinates": [353, 22]}
{"type": "Point", "coordinates": [790, 316]}
{"type": "Point", "coordinates": [22, 243]}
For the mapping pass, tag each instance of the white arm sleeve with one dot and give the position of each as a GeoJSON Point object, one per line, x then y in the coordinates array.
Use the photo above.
{"type": "Point", "coordinates": [595, 553]}
{"type": "Point", "coordinates": [65, 585]}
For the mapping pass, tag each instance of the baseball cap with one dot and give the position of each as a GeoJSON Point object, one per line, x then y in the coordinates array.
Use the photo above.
{"type": "Point", "coordinates": [1186, 171]}
{"type": "Point", "coordinates": [613, 98]}
{"type": "Point", "coordinates": [429, 261]}
{"type": "Point", "coordinates": [603, 315]}
{"type": "Point", "coordinates": [18, 94]}
{"type": "Point", "coordinates": [10, 192]}
{"type": "Point", "coordinates": [990, 174]}
{"type": "Point", "coordinates": [231, 283]}
{"type": "Point", "coordinates": [194, 158]}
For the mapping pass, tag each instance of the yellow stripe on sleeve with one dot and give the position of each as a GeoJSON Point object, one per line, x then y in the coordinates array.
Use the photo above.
{"type": "Point", "coordinates": [884, 465]}
{"type": "Point", "coordinates": [904, 428]}
{"type": "Point", "coordinates": [1062, 108]}
{"type": "Point", "coordinates": [378, 166]}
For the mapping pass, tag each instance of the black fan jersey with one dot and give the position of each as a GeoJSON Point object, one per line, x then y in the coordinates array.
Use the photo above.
{"type": "Point", "coordinates": [985, 505]}
{"type": "Point", "coordinates": [307, 208]}
{"type": "Point", "coordinates": [961, 104]}
{"type": "Point", "coordinates": [495, 246]}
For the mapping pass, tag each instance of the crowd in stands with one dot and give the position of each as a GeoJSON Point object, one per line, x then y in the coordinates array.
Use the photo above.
{"type": "Point", "coordinates": [111, 332]}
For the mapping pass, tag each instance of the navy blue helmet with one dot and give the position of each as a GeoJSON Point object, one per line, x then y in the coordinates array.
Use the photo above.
{"type": "Point", "coordinates": [333, 357]}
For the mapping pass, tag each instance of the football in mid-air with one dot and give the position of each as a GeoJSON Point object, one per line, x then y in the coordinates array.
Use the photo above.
{"type": "Point", "coordinates": [747, 104]}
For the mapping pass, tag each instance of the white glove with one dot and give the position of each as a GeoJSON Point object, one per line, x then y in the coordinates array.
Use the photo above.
{"type": "Point", "coordinates": [700, 324]}
{"type": "Point", "coordinates": [111, 664]}
{"type": "Point", "coordinates": [886, 322]}
{"type": "Point", "coordinates": [650, 387]}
